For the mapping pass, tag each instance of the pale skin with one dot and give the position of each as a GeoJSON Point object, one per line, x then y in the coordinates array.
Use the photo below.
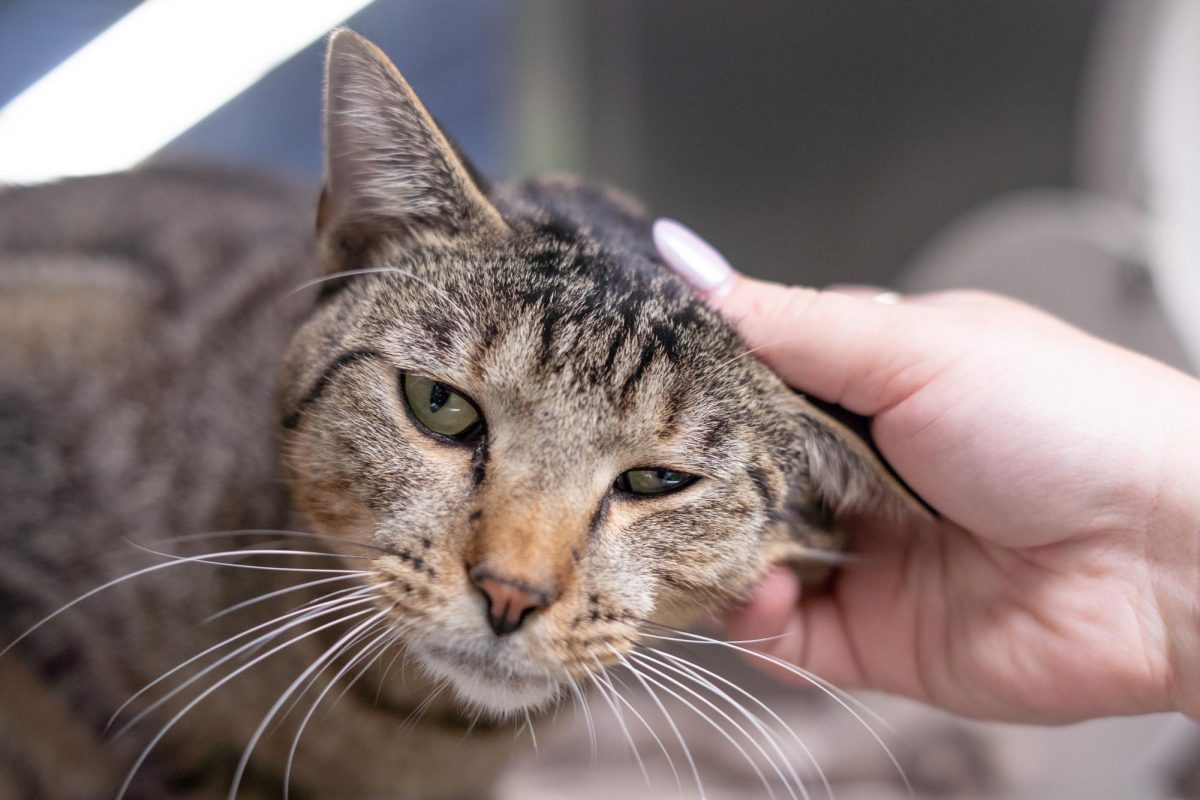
{"type": "Point", "coordinates": [1062, 581]}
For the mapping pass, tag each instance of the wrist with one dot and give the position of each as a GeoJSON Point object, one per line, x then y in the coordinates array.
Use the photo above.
{"type": "Point", "coordinates": [1173, 551]}
{"type": "Point", "coordinates": [1177, 588]}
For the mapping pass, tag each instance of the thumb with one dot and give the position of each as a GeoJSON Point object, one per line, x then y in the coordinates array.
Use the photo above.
{"type": "Point", "coordinates": [865, 356]}
{"type": "Point", "coordinates": [778, 625]}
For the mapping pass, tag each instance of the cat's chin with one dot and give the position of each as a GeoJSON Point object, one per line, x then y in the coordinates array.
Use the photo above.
{"type": "Point", "coordinates": [501, 695]}
{"type": "Point", "coordinates": [498, 698]}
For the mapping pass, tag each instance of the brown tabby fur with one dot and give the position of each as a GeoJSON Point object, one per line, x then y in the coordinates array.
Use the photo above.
{"type": "Point", "coordinates": [143, 319]}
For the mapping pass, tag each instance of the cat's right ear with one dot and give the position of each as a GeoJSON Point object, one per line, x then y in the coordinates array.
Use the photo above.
{"type": "Point", "coordinates": [390, 173]}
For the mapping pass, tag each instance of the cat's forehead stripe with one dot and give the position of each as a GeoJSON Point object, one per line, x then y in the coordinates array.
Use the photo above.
{"type": "Point", "coordinates": [588, 313]}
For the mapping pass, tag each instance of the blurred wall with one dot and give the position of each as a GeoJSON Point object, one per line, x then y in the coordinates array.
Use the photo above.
{"type": "Point", "coordinates": [821, 142]}
{"type": "Point", "coordinates": [812, 141]}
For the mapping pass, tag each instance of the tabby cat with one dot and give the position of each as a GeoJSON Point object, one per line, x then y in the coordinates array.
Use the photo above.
{"type": "Point", "coordinates": [490, 447]}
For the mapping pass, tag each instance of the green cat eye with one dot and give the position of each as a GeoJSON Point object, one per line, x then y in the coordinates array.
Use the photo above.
{"type": "Point", "coordinates": [440, 408]}
{"type": "Point", "coordinates": [652, 480]}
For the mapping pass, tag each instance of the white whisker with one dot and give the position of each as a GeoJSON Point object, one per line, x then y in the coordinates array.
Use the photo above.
{"type": "Point", "coordinates": [264, 597]}
{"type": "Point", "coordinates": [724, 733]}
{"type": "Point", "coordinates": [388, 669]}
{"type": "Point", "coordinates": [389, 638]}
{"type": "Point", "coordinates": [365, 651]}
{"type": "Point", "coordinates": [687, 753]}
{"type": "Point", "coordinates": [332, 607]}
{"type": "Point", "coordinates": [330, 653]}
{"type": "Point", "coordinates": [810, 677]}
{"type": "Point", "coordinates": [419, 711]}
{"type": "Point", "coordinates": [299, 696]}
{"type": "Point", "coordinates": [110, 584]}
{"type": "Point", "coordinates": [349, 273]}
{"type": "Point", "coordinates": [272, 532]}
{"type": "Point", "coordinates": [141, 759]}
{"type": "Point", "coordinates": [778, 720]}
{"type": "Point", "coordinates": [832, 691]}
{"type": "Point", "coordinates": [649, 729]}
{"type": "Point", "coordinates": [352, 593]}
{"type": "Point", "coordinates": [581, 703]}
{"type": "Point", "coordinates": [212, 649]}
{"type": "Point", "coordinates": [684, 669]}
{"type": "Point", "coordinates": [529, 727]}
{"type": "Point", "coordinates": [596, 679]}
{"type": "Point", "coordinates": [210, 558]}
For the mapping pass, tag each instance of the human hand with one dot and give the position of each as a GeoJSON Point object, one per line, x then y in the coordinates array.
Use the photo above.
{"type": "Point", "coordinates": [1063, 579]}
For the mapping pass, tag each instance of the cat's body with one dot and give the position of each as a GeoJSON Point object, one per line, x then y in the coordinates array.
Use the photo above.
{"type": "Point", "coordinates": [145, 320]}
{"type": "Point", "coordinates": [150, 414]}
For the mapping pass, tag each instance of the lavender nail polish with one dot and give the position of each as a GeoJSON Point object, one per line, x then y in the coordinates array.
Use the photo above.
{"type": "Point", "coordinates": [692, 258]}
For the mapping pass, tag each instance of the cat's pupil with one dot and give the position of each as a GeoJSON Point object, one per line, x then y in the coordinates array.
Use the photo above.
{"type": "Point", "coordinates": [438, 395]}
{"type": "Point", "coordinates": [668, 477]}
{"type": "Point", "coordinates": [441, 408]}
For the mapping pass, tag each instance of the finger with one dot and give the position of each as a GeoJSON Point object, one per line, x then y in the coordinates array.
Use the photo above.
{"type": "Point", "coordinates": [809, 634]}
{"type": "Point", "coordinates": [866, 292]}
{"type": "Point", "coordinates": [863, 355]}
{"type": "Point", "coordinates": [767, 609]}
{"type": "Point", "coordinates": [962, 299]}
{"type": "Point", "coordinates": [969, 299]}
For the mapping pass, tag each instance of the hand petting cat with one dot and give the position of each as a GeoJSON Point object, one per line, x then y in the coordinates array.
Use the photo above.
{"type": "Point", "coordinates": [1061, 581]}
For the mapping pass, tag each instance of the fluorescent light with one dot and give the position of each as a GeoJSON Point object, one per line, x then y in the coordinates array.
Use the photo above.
{"type": "Point", "coordinates": [156, 72]}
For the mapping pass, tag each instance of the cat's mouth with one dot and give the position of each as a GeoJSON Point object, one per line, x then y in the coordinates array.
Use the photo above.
{"type": "Point", "coordinates": [483, 683]}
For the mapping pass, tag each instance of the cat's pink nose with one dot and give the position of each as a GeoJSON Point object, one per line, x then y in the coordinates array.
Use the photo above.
{"type": "Point", "coordinates": [509, 602]}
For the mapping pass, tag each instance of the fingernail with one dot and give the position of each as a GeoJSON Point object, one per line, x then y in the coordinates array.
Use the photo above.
{"type": "Point", "coordinates": [692, 258]}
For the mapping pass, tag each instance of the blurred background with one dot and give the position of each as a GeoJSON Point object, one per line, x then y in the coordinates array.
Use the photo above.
{"type": "Point", "coordinates": [812, 142]}
{"type": "Point", "coordinates": [1047, 150]}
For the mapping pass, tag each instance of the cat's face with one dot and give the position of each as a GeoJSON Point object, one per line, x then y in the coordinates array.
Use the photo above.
{"type": "Point", "coordinates": [550, 439]}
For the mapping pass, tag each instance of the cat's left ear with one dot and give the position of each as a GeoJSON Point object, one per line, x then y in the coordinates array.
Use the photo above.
{"type": "Point", "coordinates": [390, 172]}
{"type": "Point", "coordinates": [844, 470]}
{"type": "Point", "coordinates": [839, 468]}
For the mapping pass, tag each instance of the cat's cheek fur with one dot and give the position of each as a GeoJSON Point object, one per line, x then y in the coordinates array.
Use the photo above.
{"type": "Point", "coordinates": [701, 554]}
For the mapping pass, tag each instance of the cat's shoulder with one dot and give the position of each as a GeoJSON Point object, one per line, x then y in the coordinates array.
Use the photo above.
{"type": "Point", "coordinates": [89, 266]}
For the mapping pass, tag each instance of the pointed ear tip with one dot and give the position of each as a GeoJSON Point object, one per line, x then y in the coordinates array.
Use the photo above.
{"type": "Point", "coordinates": [351, 53]}
{"type": "Point", "coordinates": [343, 35]}
{"type": "Point", "coordinates": [343, 40]}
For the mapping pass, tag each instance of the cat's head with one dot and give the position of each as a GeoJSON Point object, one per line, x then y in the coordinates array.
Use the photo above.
{"type": "Point", "coordinates": [551, 437]}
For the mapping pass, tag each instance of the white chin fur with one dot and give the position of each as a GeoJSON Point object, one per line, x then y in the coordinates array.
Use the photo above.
{"type": "Point", "coordinates": [495, 696]}
{"type": "Point", "coordinates": [501, 699]}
